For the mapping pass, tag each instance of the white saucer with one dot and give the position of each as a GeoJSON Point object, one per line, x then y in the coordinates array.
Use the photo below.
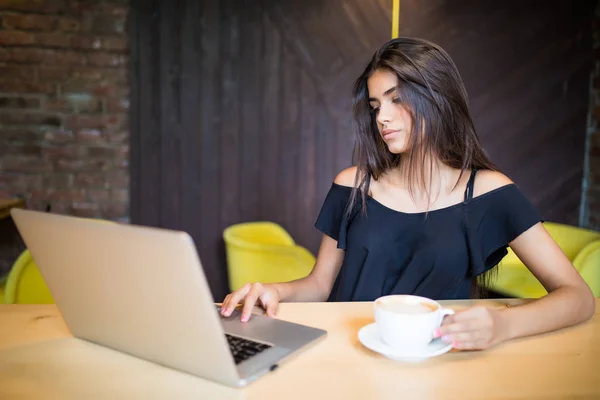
{"type": "Point", "coordinates": [369, 337]}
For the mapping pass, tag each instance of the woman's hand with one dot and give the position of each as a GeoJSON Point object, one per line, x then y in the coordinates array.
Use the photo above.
{"type": "Point", "coordinates": [476, 328]}
{"type": "Point", "coordinates": [266, 295]}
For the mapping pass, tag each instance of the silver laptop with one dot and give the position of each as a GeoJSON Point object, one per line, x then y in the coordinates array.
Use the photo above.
{"type": "Point", "coordinates": [142, 291]}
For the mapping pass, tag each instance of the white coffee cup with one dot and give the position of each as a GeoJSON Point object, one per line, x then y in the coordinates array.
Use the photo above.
{"type": "Point", "coordinates": [407, 322]}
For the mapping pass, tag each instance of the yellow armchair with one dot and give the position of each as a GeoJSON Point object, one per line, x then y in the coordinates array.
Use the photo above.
{"type": "Point", "coordinates": [581, 246]}
{"type": "Point", "coordinates": [24, 283]}
{"type": "Point", "coordinates": [264, 252]}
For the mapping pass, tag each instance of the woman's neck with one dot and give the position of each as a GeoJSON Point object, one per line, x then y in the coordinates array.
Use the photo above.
{"type": "Point", "coordinates": [428, 182]}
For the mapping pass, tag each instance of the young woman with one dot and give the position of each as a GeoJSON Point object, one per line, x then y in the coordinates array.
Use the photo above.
{"type": "Point", "coordinates": [425, 211]}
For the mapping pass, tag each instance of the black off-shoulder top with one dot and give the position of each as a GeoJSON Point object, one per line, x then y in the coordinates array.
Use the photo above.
{"type": "Point", "coordinates": [434, 254]}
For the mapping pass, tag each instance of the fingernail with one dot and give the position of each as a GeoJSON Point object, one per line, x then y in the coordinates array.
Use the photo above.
{"type": "Point", "coordinates": [244, 318]}
{"type": "Point", "coordinates": [436, 333]}
{"type": "Point", "coordinates": [446, 338]}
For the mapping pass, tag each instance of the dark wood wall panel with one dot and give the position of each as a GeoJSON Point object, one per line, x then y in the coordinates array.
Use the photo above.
{"type": "Point", "coordinates": [241, 112]}
{"type": "Point", "coordinates": [241, 109]}
{"type": "Point", "coordinates": [526, 65]}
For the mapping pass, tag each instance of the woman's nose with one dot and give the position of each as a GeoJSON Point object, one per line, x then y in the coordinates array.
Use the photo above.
{"type": "Point", "coordinates": [384, 116]}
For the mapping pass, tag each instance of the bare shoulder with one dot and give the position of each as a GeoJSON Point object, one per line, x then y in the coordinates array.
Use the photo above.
{"type": "Point", "coordinates": [486, 181]}
{"type": "Point", "coordinates": [346, 177]}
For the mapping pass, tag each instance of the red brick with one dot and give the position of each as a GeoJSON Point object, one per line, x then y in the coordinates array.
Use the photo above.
{"type": "Point", "coordinates": [5, 54]}
{"type": "Point", "coordinates": [66, 24]}
{"type": "Point", "coordinates": [19, 117]}
{"type": "Point", "coordinates": [31, 150]}
{"type": "Point", "coordinates": [89, 74]}
{"type": "Point", "coordinates": [99, 122]}
{"type": "Point", "coordinates": [86, 42]}
{"type": "Point", "coordinates": [20, 134]}
{"type": "Point", "coordinates": [68, 165]}
{"type": "Point", "coordinates": [118, 44]}
{"type": "Point", "coordinates": [58, 105]}
{"type": "Point", "coordinates": [18, 38]}
{"type": "Point", "coordinates": [32, 55]}
{"type": "Point", "coordinates": [15, 163]}
{"type": "Point", "coordinates": [77, 86]}
{"type": "Point", "coordinates": [73, 152]}
{"type": "Point", "coordinates": [116, 10]}
{"type": "Point", "coordinates": [89, 135]}
{"type": "Point", "coordinates": [54, 39]}
{"type": "Point", "coordinates": [106, 75]}
{"type": "Point", "coordinates": [81, 165]}
{"type": "Point", "coordinates": [21, 181]}
{"type": "Point", "coordinates": [8, 85]}
{"type": "Point", "coordinates": [87, 86]}
{"type": "Point", "coordinates": [118, 179]}
{"type": "Point", "coordinates": [59, 136]}
{"type": "Point", "coordinates": [50, 73]}
{"type": "Point", "coordinates": [47, 56]}
{"type": "Point", "coordinates": [59, 195]}
{"type": "Point", "coordinates": [107, 25]}
{"type": "Point", "coordinates": [20, 102]}
{"type": "Point", "coordinates": [103, 152]}
{"type": "Point", "coordinates": [106, 60]}
{"type": "Point", "coordinates": [120, 195]}
{"type": "Point", "coordinates": [85, 7]}
{"type": "Point", "coordinates": [18, 72]}
{"type": "Point", "coordinates": [90, 180]}
{"type": "Point", "coordinates": [85, 105]}
{"type": "Point", "coordinates": [40, 6]}
{"type": "Point", "coordinates": [58, 181]}
{"type": "Point", "coordinates": [117, 136]}
{"type": "Point", "coordinates": [85, 210]}
{"type": "Point", "coordinates": [115, 211]}
{"type": "Point", "coordinates": [29, 22]}
{"type": "Point", "coordinates": [98, 196]}
{"type": "Point", "coordinates": [7, 194]}
{"type": "Point", "coordinates": [70, 58]}
{"type": "Point", "coordinates": [116, 105]}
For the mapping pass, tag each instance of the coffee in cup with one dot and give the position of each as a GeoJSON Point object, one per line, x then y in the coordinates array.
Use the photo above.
{"type": "Point", "coordinates": [406, 321]}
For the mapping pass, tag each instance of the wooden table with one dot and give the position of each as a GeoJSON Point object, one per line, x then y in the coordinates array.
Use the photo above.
{"type": "Point", "coordinates": [39, 360]}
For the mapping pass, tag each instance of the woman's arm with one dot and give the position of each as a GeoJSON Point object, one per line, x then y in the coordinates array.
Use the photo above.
{"type": "Point", "coordinates": [569, 300]}
{"type": "Point", "coordinates": [314, 287]}
{"type": "Point", "coordinates": [317, 285]}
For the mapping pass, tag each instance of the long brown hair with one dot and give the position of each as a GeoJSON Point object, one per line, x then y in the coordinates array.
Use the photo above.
{"type": "Point", "coordinates": [432, 91]}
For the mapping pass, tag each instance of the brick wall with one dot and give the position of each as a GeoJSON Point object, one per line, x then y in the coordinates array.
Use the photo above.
{"type": "Point", "coordinates": [63, 105]}
{"type": "Point", "coordinates": [590, 208]}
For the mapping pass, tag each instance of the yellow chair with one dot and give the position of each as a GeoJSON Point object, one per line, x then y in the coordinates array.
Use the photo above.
{"type": "Point", "coordinates": [264, 252]}
{"type": "Point", "coordinates": [581, 246]}
{"type": "Point", "coordinates": [2, 284]}
{"type": "Point", "coordinates": [24, 284]}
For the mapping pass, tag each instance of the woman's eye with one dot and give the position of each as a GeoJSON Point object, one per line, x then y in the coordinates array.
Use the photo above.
{"type": "Point", "coordinates": [397, 100]}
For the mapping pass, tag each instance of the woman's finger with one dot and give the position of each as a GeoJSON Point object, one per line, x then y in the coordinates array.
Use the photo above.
{"type": "Point", "coordinates": [250, 301]}
{"type": "Point", "coordinates": [235, 298]}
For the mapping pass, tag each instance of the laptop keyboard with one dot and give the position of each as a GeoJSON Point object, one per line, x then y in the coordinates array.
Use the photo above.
{"type": "Point", "coordinates": [243, 349]}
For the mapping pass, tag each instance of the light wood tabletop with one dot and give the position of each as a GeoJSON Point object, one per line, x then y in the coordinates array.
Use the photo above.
{"type": "Point", "coordinates": [40, 360]}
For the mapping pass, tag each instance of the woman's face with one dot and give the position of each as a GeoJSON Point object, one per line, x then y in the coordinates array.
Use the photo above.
{"type": "Point", "coordinates": [393, 120]}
